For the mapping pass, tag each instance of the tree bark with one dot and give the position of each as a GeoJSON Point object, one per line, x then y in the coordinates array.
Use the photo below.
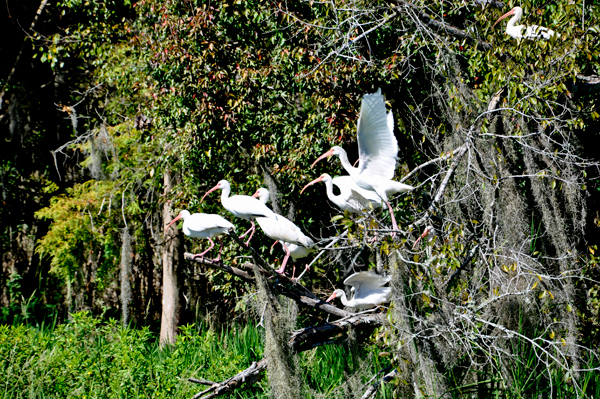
{"type": "Point", "coordinates": [126, 259]}
{"type": "Point", "coordinates": [170, 291]}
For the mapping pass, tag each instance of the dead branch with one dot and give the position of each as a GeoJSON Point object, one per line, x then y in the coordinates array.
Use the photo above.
{"type": "Point", "coordinates": [280, 283]}
{"type": "Point", "coordinates": [441, 26]}
{"type": "Point", "coordinates": [372, 390]}
{"type": "Point", "coordinates": [457, 158]}
{"type": "Point", "coordinates": [251, 374]}
{"type": "Point", "coordinates": [311, 337]}
{"type": "Point", "coordinates": [221, 266]}
{"type": "Point", "coordinates": [255, 253]}
{"type": "Point", "coordinates": [14, 68]}
{"type": "Point", "coordinates": [439, 159]}
{"type": "Point", "coordinates": [593, 80]}
{"type": "Point", "coordinates": [301, 340]}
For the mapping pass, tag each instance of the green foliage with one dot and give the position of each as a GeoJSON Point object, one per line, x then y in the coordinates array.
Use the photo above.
{"type": "Point", "coordinates": [79, 230]}
{"type": "Point", "coordinates": [91, 359]}
{"type": "Point", "coordinates": [236, 89]}
{"type": "Point", "coordinates": [87, 358]}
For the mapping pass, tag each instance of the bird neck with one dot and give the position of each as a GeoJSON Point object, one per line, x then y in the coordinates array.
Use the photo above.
{"type": "Point", "coordinates": [225, 191]}
{"type": "Point", "coordinates": [346, 164]}
{"type": "Point", "coordinates": [329, 189]}
{"type": "Point", "coordinates": [511, 22]}
{"type": "Point", "coordinates": [345, 300]}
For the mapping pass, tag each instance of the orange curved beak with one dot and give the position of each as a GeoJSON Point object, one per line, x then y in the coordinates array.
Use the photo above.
{"type": "Point", "coordinates": [332, 297]}
{"type": "Point", "coordinates": [317, 180]}
{"type": "Point", "coordinates": [218, 186]}
{"type": "Point", "coordinates": [255, 195]}
{"type": "Point", "coordinates": [326, 155]}
{"type": "Point", "coordinates": [511, 12]}
{"type": "Point", "coordinates": [172, 221]}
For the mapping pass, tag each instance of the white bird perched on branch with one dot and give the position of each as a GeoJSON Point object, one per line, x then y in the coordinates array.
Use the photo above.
{"type": "Point", "coordinates": [368, 290]}
{"type": "Point", "coordinates": [204, 225]}
{"type": "Point", "coordinates": [532, 32]}
{"type": "Point", "coordinates": [242, 206]}
{"type": "Point", "coordinates": [378, 149]}
{"type": "Point", "coordinates": [352, 198]}
{"type": "Point", "coordinates": [300, 248]}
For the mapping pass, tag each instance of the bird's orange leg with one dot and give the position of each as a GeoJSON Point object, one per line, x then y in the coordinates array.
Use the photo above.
{"type": "Point", "coordinates": [212, 244]}
{"type": "Point", "coordinates": [287, 255]}
{"type": "Point", "coordinates": [251, 229]}
{"type": "Point", "coordinates": [394, 224]}
{"type": "Point", "coordinates": [220, 250]}
{"type": "Point", "coordinates": [425, 233]}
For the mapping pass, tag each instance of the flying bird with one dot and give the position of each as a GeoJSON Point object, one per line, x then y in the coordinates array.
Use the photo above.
{"type": "Point", "coordinates": [532, 32]}
{"type": "Point", "coordinates": [368, 290]}
{"type": "Point", "coordinates": [378, 149]}
{"type": "Point", "coordinates": [204, 225]}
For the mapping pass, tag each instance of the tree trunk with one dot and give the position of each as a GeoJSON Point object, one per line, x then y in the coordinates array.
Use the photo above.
{"type": "Point", "coordinates": [170, 291]}
{"type": "Point", "coordinates": [126, 259]}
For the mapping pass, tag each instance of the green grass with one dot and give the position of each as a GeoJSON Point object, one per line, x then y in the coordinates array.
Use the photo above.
{"type": "Point", "coordinates": [87, 358]}
{"type": "Point", "coordinates": [530, 378]}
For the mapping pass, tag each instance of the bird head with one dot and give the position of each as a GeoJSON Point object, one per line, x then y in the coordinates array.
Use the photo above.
{"type": "Point", "coordinates": [321, 178]}
{"type": "Point", "coordinates": [336, 150]}
{"type": "Point", "coordinates": [220, 186]}
{"type": "Point", "coordinates": [515, 11]}
{"type": "Point", "coordinates": [336, 294]}
{"type": "Point", "coordinates": [182, 215]}
{"type": "Point", "coordinates": [262, 194]}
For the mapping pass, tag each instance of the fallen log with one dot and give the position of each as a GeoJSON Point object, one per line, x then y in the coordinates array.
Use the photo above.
{"type": "Point", "coordinates": [300, 341]}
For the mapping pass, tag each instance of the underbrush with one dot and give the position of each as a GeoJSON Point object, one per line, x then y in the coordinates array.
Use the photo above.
{"type": "Point", "coordinates": [88, 358]}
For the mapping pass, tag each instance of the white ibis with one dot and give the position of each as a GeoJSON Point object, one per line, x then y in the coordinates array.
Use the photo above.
{"type": "Point", "coordinates": [368, 290]}
{"type": "Point", "coordinates": [294, 250]}
{"type": "Point", "coordinates": [282, 229]}
{"type": "Point", "coordinates": [532, 32]}
{"type": "Point", "coordinates": [351, 198]}
{"type": "Point", "coordinates": [242, 206]}
{"type": "Point", "coordinates": [204, 225]}
{"type": "Point", "coordinates": [378, 149]}
{"type": "Point", "coordinates": [262, 194]}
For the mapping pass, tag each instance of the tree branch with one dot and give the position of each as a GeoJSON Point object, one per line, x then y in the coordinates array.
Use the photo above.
{"type": "Point", "coordinates": [593, 80]}
{"type": "Point", "coordinates": [251, 374]}
{"type": "Point", "coordinates": [311, 337]}
{"type": "Point", "coordinates": [221, 266]}
{"type": "Point", "coordinates": [14, 68]}
{"type": "Point", "coordinates": [441, 26]}
{"type": "Point", "coordinates": [372, 390]}
{"type": "Point", "coordinates": [280, 282]}
{"type": "Point", "coordinates": [301, 340]}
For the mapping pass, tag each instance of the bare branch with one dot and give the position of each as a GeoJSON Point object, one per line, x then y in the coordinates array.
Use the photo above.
{"type": "Point", "coordinates": [372, 390]}
{"type": "Point", "coordinates": [280, 282]}
{"type": "Point", "coordinates": [441, 26]}
{"type": "Point", "coordinates": [14, 68]}
{"type": "Point", "coordinates": [301, 340]}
